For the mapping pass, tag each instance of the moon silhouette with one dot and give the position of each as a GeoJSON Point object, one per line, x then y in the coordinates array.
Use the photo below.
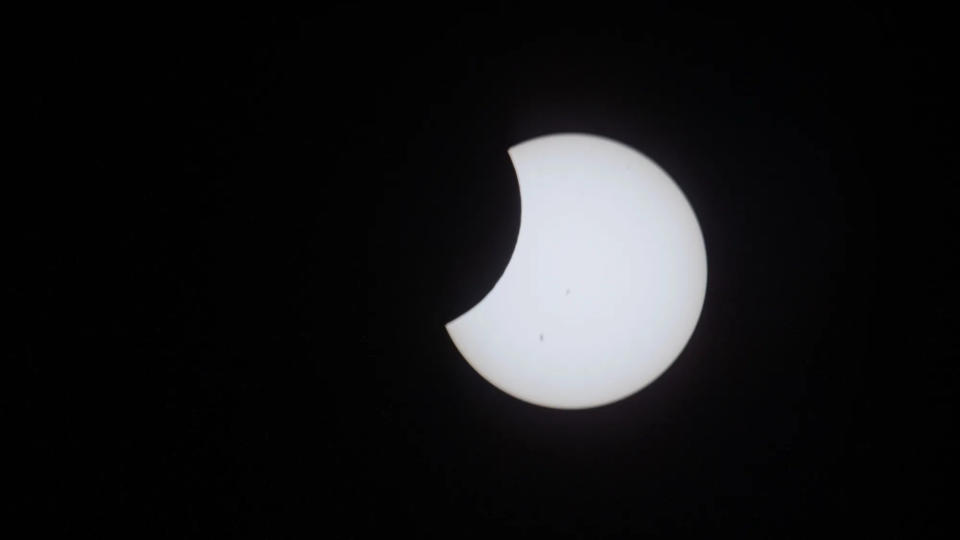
{"type": "Point", "coordinates": [605, 284]}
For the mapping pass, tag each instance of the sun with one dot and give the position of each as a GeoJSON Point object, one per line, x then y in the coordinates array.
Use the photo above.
{"type": "Point", "coordinates": [606, 282]}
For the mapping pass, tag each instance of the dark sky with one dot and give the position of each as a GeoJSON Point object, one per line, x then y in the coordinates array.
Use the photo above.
{"type": "Point", "coordinates": [249, 231]}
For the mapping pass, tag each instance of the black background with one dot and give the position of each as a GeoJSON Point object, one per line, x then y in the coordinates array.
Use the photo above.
{"type": "Point", "coordinates": [246, 232]}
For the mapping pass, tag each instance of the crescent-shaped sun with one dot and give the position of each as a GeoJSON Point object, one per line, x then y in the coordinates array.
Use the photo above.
{"type": "Point", "coordinates": [605, 284]}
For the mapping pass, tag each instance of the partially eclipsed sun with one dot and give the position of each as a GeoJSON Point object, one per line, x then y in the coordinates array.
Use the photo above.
{"type": "Point", "coordinates": [606, 282]}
